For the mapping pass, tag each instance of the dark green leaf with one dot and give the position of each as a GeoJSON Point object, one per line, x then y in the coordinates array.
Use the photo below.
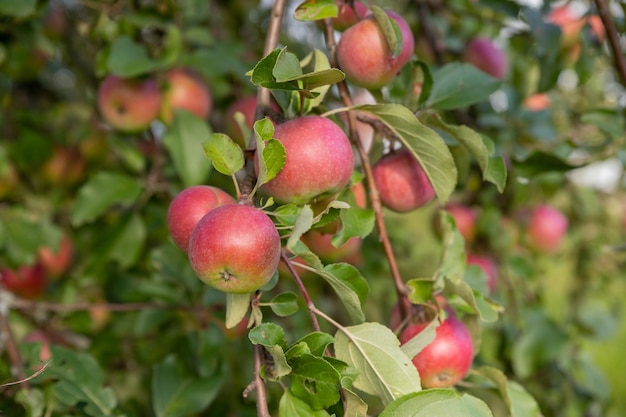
{"type": "Point", "coordinates": [21, 8]}
{"type": "Point", "coordinates": [540, 162]}
{"type": "Point", "coordinates": [129, 59]}
{"type": "Point", "coordinates": [284, 304]}
{"type": "Point", "coordinates": [315, 381]}
{"type": "Point", "coordinates": [350, 286]}
{"type": "Point", "coordinates": [272, 337]}
{"type": "Point", "coordinates": [315, 342]}
{"type": "Point", "coordinates": [287, 67]}
{"type": "Point", "coordinates": [290, 406]}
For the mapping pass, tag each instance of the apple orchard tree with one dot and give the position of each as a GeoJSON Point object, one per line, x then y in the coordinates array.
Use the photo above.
{"type": "Point", "coordinates": [312, 208]}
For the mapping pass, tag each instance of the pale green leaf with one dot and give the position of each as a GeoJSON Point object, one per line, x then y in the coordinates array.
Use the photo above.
{"type": "Point", "coordinates": [224, 153]}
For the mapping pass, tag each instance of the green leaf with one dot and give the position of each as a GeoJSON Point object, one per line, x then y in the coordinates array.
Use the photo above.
{"type": "Point", "coordinates": [496, 172]}
{"type": "Point", "coordinates": [264, 128]}
{"type": "Point", "coordinates": [519, 402]}
{"type": "Point", "coordinates": [272, 337]}
{"type": "Point", "coordinates": [236, 308]}
{"type": "Point", "coordinates": [355, 222]}
{"type": "Point", "coordinates": [485, 309]}
{"type": "Point", "coordinates": [129, 59]}
{"type": "Point", "coordinates": [390, 29]}
{"type": "Point", "coordinates": [284, 304]}
{"type": "Point", "coordinates": [224, 153]}
{"type": "Point", "coordinates": [321, 65]}
{"type": "Point", "coordinates": [316, 10]}
{"type": "Point", "coordinates": [272, 162]}
{"type": "Point", "coordinates": [21, 8]}
{"type": "Point", "coordinates": [457, 85]}
{"type": "Point", "coordinates": [183, 140]}
{"type": "Point", "coordinates": [33, 401]}
{"type": "Point", "coordinates": [315, 381]}
{"type": "Point", "coordinates": [418, 342]}
{"type": "Point", "coordinates": [23, 232]}
{"type": "Point", "coordinates": [350, 286]}
{"type": "Point", "coordinates": [303, 224]}
{"type": "Point", "coordinates": [129, 242]}
{"type": "Point", "coordinates": [315, 343]}
{"type": "Point", "coordinates": [384, 370]}
{"type": "Point", "coordinates": [290, 406]}
{"type": "Point", "coordinates": [175, 394]}
{"type": "Point", "coordinates": [427, 82]}
{"type": "Point", "coordinates": [287, 67]}
{"type": "Point", "coordinates": [539, 162]}
{"type": "Point", "coordinates": [354, 405]}
{"type": "Point", "coordinates": [424, 143]}
{"type": "Point", "coordinates": [436, 402]}
{"type": "Point", "coordinates": [453, 259]}
{"type": "Point", "coordinates": [101, 192]}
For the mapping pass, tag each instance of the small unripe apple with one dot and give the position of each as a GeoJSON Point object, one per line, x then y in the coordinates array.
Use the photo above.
{"type": "Point", "coordinates": [191, 205]}
{"type": "Point", "coordinates": [402, 183]}
{"type": "Point", "coordinates": [319, 160]}
{"type": "Point", "coordinates": [129, 104]}
{"type": "Point", "coordinates": [27, 281]}
{"type": "Point", "coordinates": [363, 52]}
{"type": "Point", "coordinates": [487, 57]}
{"type": "Point", "coordinates": [321, 245]}
{"type": "Point", "coordinates": [547, 227]}
{"type": "Point", "coordinates": [489, 267]}
{"type": "Point", "coordinates": [348, 16]}
{"type": "Point", "coordinates": [235, 248]}
{"type": "Point", "coordinates": [465, 219]}
{"type": "Point", "coordinates": [56, 263]}
{"type": "Point", "coordinates": [448, 358]}
{"type": "Point", "coordinates": [185, 90]}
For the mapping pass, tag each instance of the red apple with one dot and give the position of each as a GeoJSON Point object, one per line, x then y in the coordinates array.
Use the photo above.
{"type": "Point", "coordinates": [28, 281]}
{"type": "Point", "coordinates": [568, 21]}
{"type": "Point", "coordinates": [319, 160]}
{"type": "Point", "coordinates": [129, 104]}
{"type": "Point", "coordinates": [235, 248]}
{"type": "Point", "coordinates": [448, 358]}
{"type": "Point", "coordinates": [185, 90]}
{"type": "Point", "coordinates": [597, 27]}
{"type": "Point", "coordinates": [321, 245]}
{"type": "Point", "coordinates": [348, 16]}
{"type": "Point", "coordinates": [489, 267]}
{"type": "Point", "coordinates": [487, 57]}
{"type": "Point", "coordinates": [56, 263]}
{"type": "Point", "coordinates": [547, 227]}
{"type": "Point", "coordinates": [401, 182]}
{"type": "Point", "coordinates": [65, 167]}
{"type": "Point", "coordinates": [363, 52]}
{"type": "Point", "coordinates": [536, 102]}
{"type": "Point", "coordinates": [189, 206]}
{"type": "Point", "coordinates": [465, 219]}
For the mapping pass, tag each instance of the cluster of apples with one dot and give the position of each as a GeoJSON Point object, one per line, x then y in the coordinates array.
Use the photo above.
{"type": "Point", "coordinates": [30, 281]}
{"type": "Point", "coordinates": [131, 104]}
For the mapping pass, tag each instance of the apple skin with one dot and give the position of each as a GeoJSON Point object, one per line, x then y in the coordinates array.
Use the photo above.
{"type": "Point", "coordinates": [321, 245]}
{"type": "Point", "coordinates": [364, 54]}
{"type": "Point", "coordinates": [56, 263]}
{"type": "Point", "coordinates": [465, 219]}
{"type": "Point", "coordinates": [346, 16]}
{"type": "Point", "coordinates": [448, 358]}
{"type": "Point", "coordinates": [129, 104]}
{"type": "Point", "coordinates": [235, 248]}
{"type": "Point", "coordinates": [189, 206]}
{"type": "Point", "coordinates": [28, 281]}
{"type": "Point", "coordinates": [402, 183]}
{"type": "Point", "coordinates": [319, 160]}
{"type": "Point", "coordinates": [489, 267]}
{"type": "Point", "coordinates": [547, 227]}
{"type": "Point", "coordinates": [185, 90]}
{"type": "Point", "coordinates": [487, 57]}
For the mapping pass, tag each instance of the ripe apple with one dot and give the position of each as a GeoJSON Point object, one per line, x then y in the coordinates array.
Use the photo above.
{"type": "Point", "coordinates": [129, 104]}
{"type": "Point", "coordinates": [487, 57]}
{"type": "Point", "coordinates": [363, 52]}
{"type": "Point", "coordinates": [247, 107]}
{"type": "Point", "coordinates": [28, 281]}
{"type": "Point", "coordinates": [465, 219]}
{"type": "Point", "coordinates": [189, 206]}
{"type": "Point", "coordinates": [448, 358]}
{"type": "Point", "coordinates": [489, 267]}
{"type": "Point", "coordinates": [321, 245]}
{"type": "Point", "coordinates": [319, 160]}
{"type": "Point", "coordinates": [401, 181]}
{"type": "Point", "coordinates": [56, 263]}
{"type": "Point", "coordinates": [348, 16]}
{"type": "Point", "coordinates": [235, 248]}
{"type": "Point", "coordinates": [185, 90]}
{"type": "Point", "coordinates": [65, 167]}
{"type": "Point", "coordinates": [547, 227]}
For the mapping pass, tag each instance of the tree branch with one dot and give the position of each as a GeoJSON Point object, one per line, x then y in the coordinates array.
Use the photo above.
{"type": "Point", "coordinates": [612, 37]}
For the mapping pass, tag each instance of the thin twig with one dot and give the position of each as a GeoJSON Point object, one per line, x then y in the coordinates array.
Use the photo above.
{"type": "Point", "coordinates": [33, 376]}
{"type": "Point", "coordinates": [303, 290]}
{"type": "Point", "coordinates": [261, 395]}
{"type": "Point", "coordinates": [613, 38]}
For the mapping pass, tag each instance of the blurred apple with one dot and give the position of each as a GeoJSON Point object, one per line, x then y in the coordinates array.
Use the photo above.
{"type": "Point", "coordinates": [27, 281]}
{"type": "Point", "coordinates": [65, 167]}
{"type": "Point", "coordinates": [536, 102]}
{"type": "Point", "coordinates": [568, 21]}
{"type": "Point", "coordinates": [348, 16]}
{"type": "Point", "coordinates": [465, 219]}
{"type": "Point", "coordinates": [547, 226]}
{"type": "Point", "coordinates": [56, 263]}
{"type": "Point", "coordinates": [247, 107]}
{"type": "Point", "coordinates": [489, 267]}
{"type": "Point", "coordinates": [487, 57]}
{"type": "Point", "coordinates": [186, 90]}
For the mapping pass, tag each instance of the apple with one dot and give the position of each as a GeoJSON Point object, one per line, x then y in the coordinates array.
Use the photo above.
{"type": "Point", "coordinates": [235, 248]}
{"type": "Point", "coordinates": [319, 160]}
{"type": "Point", "coordinates": [487, 57]}
{"type": "Point", "coordinates": [186, 90]}
{"type": "Point", "coordinates": [597, 28]}
{"type": "Point", "coordinates": [189, 206]}
{"type": "Point", "coordinates": [546, 228]}
{"type": "Point", "coordinates": [129, 104]}
{"type": "Point", "coordinates": [27, 281]}
{"type": "Point", "coordinates": [65, 167]}
{"type": "Point", "coordinates": [402, 183]}
{"type": "Point", "coordinates": [348, 15]}
{"type": "Point", "coordinates": [536, 102]}
{"type": "Point", "coordinates": [247, 107]}
{"type": "Point", "coordinates": [363, 52]}
{"type": "Point", "coordinates": [448, 358]}
{"type": "Point", "coordinates": [320, 244]}
{"type": "Point", "coordinates": [56, 263]}
{"type": "Point", "coordinates": [568, 21]}
{"type": "Point", "coordinates": [489, 267]}
{"type": "Point", "coordinates": [465, 220]}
